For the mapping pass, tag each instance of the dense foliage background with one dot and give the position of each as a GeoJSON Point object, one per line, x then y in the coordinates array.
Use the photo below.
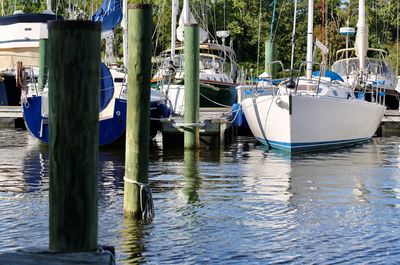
{"type": "Point", "coordinates": [249, 25]}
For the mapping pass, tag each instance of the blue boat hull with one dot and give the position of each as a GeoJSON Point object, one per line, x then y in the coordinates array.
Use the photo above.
{"type": "Point", "coordinates": [109, 129]}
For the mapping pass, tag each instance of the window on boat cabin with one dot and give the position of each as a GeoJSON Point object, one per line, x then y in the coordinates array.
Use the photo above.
{"type": "Point", "coordinates": [178, 61]}
{"type": "Point", "coordinates": [206, 62]}
{"type": "Point", "coordinates": [334, 92]}
{"type": "Point", "coordinates": [212, 63]}
{"type": "Point", "coordinates": [307, 87]}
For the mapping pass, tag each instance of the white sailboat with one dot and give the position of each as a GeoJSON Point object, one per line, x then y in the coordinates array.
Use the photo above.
{"type": "Point", "coordinates": [217, 67]}
{"type": "Point", "coordinates": [365, 68]}
{"type": "Point", "coordinates": [311, 113]}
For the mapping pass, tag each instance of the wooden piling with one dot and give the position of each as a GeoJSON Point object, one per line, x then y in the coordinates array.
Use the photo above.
{"type": "Point", "coordinates": [270, 56]}
{"type": "Point", "coordinates": [138, 110]}
{"type": "Point", "coordinates": [43, 62]}
{"type": "Point", "coordinates": [192, 87]}
{"type": "Point", "coordinates": [74, 80]}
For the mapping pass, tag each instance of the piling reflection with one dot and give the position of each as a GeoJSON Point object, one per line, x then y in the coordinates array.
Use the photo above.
{"type": "Point", "coordinates": [191, 175]}
{"type": "Point", "coordinates": [132, 244]}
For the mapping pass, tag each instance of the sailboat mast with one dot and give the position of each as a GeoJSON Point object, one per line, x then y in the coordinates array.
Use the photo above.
{"type": "Point", "coordinates": [362, 35]}
{"type": "Point", "coordinates": [175, 8]}
{"type": "Point", "coordinates": [310, 38]}
{"type": "Point", "coordinates": [49, 5]}
{"type": "Point", "coordinates": [397, 43]}
{"type": "Point", "coordinates": [293, 39]}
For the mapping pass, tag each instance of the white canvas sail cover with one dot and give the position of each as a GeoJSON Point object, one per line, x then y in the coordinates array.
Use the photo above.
{"type": "Point", "coordinates": [187, 18]}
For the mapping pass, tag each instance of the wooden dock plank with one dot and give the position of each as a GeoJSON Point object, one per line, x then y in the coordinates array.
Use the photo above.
{"type": "Point", "coordinates": [10, 112]}
{"type": "Point", "coordinates": [36, 256]}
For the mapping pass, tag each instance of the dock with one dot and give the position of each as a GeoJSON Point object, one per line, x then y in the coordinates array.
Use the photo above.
{"type": "Point", "coordinates": [35, 256]}
{"type": "Point", "coordinates": [216, 130]}
{"type": "Point", "coordinates": [11, 116]}
{"type": "Point", "coordinates": [390, 124]}
{"type": "Point", "coordinates": [10, 112]}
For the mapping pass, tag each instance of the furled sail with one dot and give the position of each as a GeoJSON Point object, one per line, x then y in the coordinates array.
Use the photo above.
{"type": "Point", "coordinates": [110, 14]}
{"type": "Point", "coordinates": [187, 17]}
{"type": "Point", "coordinates": [361, 44]}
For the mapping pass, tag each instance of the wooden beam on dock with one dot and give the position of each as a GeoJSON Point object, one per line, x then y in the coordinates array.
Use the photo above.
{"type": "Point", "coordinates": [36, 256]}
{"type": "Point", "coordinates": [214, 127]}
{"type": "Point", "coordinates": [390, 124]}
{"type": "Point", "coordinates": [10, 112]}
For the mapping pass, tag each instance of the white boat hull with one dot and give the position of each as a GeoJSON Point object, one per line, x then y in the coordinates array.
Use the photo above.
{"type": "Point", "coordinates": [305, 122]}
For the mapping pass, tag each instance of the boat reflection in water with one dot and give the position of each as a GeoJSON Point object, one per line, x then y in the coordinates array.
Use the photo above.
{"type": "Point", "coordinates": [339, 196]}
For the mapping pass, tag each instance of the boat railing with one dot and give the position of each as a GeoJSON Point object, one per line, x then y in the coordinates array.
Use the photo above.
{"type": "Point", "coordinates": [381, 69]}
{"type": "Point", "coordinates": [270, 77]}
{"type": "Point", "coordinates": [124, 87]}
{"type": "Point", "coordinates": [270, 65]}
{"type": "Point", "coordinates": [378, 88]}
{"type": "Point", "coordinates": [167, 66]}
{"type": "Point", "coordinates": [173, 68]}
{"type": "Point", "coordinates": [345, 67]}
{"type": "Point", "coordinates": [311, 80]}
{"type": "Point", "coordinates": [349, 53]}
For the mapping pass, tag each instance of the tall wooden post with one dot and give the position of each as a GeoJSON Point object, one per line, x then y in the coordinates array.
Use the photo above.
{"type": "Point", "coordinates": [138, 112]}
{"type": "Point", "coordinates": [192, 87]}
{"type": "Point", "coordinates": [43, 63]}
{"type": "Point", "coordinates": [270, 56]}
{"type": "Point", "coordinates": [74, 80]}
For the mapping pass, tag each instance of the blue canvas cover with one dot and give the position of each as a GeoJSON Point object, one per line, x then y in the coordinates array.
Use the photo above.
{"type": "Point", "coordinates": [110, 14]}
{"type": "Point", "coordinates": [106, 87]}
{"type": "Point", "coordinates": [332, 75]}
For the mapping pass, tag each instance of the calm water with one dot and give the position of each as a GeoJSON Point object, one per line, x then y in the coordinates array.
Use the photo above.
{"type": "Point", "coordinates": [234, 206]}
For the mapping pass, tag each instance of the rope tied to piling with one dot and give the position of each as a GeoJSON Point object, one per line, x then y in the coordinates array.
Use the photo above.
{"type": "Point", "coordinates": [146, 200]}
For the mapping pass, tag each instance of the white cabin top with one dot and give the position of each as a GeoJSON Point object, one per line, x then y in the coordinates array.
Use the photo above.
{"type": "Point", "coordinates": [19, 37]}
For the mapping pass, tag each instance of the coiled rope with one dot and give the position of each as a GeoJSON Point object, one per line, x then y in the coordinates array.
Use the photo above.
{"type": "Point", "coordinates": [146, 200]}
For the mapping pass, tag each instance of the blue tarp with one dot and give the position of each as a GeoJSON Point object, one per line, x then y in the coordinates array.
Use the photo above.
{"type": "Point", "coordinates": [106, 87]}
{"type": "Point", "coordinates": [332, 75]}
{"type": "Point", "coordinates": [110, 14]}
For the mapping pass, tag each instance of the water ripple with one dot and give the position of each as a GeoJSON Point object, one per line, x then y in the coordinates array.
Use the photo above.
{"type": "Point", "coordinates": [240, 205]}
